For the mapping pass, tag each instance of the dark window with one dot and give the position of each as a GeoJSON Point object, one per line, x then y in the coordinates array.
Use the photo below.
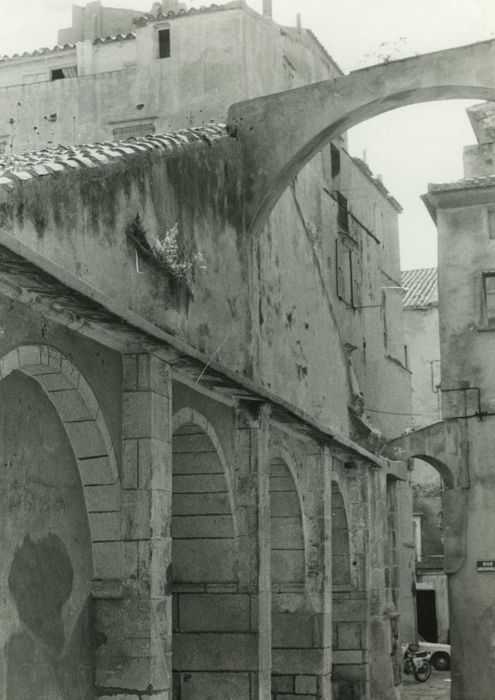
{"type": "Point", "coordinates": [489, 294]}
{"type": "Point", "coordinates": [164, 43]}
{"type": "Point", "coordinates": [57, 74]}
{"type": "Point", "coordinates": [491, 223]}
{"type": "Point", "coordinates": [66, 72]}
{"type": "Point", "coordinates": [335, 158]}
{"type": "Point", "coordinates": [342, 213]}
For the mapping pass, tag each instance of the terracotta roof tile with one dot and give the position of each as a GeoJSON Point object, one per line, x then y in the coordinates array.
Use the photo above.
{"type": "Point", "coordinates": [469, 184]}
{"type": "Point", "coordinates": [422, 288]}
{"type": "Point", "coordinates": [148, 17]}
{"type": "Point", "coordinates": [59, 158]}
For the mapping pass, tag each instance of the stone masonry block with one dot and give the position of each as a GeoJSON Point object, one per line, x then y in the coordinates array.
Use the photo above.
{"type": "Point", "coordinates": [300, 661]}
{"type": "Point", "coordinates": [205, 561]}
{"type": "Point", "coordinates": [214, 685]}
{"type": "Point", "coordinates": [282, 684]}
{"type": "Point", "coordinates": [102, 498]}
{"type": "Point", "coordinates": [161, 502]}
{"type": "Point", "coordinates": [130, 464]}
{"type": "Point", "coordinates": [104, 527]}
{"type": "Point", "coordinates": [136, 514]}
{"type": "Point", "coordinates": [292, 630]}
{"type": "Point", "coordinates": [95, 471]}
{"type": "Point", "coordinates": [54, 380]}
{"type": "Point", "coordinates": [85, 439]}
{"type": "Point", "coordinates": [161, 416]}
{"type": "Point", "coordinates": [9, 363]}
{"type": "Point", "coordinates": [71, 406]}
{"type": "Point", "coordinates": [130, 372]}
{"type": "Point", "coordinates": [306, 684]}
{"type": "Point", "coordinates": [107, 558]}
{"type": "Point", "coordinates": [29, 355]}
{"type": "Point", "coordinates": [347, 657]}
{"type": "Point", "coordinates": [213, 613]}
{"type": "Point", "coordinates": [349, 635]}
{"type": "Point", "coordinates": [70, 371]}
{"type": "Point", "coordinates": [211, 652]}
{"type": "Point", "coordinates": [137, 415]}
{"type": "Point", "coordinates": [155, 464]}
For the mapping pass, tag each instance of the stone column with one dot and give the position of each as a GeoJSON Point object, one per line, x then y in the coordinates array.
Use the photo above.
{"type": "Point", "coordinates": [253, 516]}
{"type": "Point", "coordinates": [133, 633]}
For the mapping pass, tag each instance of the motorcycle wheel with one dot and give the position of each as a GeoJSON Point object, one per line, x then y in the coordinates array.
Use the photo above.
{"type": "Point", "coordinates": [423, 672]}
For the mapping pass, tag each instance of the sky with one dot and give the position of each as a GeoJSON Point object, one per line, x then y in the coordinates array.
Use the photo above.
{"type": "Point", "coordinates": [409, 147]}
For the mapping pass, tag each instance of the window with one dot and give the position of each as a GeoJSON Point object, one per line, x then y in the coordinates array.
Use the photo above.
{"type": "Point", "coordinates": [489, 298]}
{"type": "Point", "coordinates": [335, 158]}
{"type": "Point", "coordinates": [164, 43]}
{"type": "Point", "coordinates": [491, 224]}
{"type": "Point", "coordinates": [61, 73]}
{"type": "Point", "coordinates": [342, 213]}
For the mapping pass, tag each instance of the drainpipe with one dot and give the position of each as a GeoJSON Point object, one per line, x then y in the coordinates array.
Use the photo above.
{"type": "Point", "coordinates": [267, 8]}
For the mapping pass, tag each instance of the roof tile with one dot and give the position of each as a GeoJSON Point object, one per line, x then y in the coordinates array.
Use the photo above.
{"type": "Point", "coordinates": [422, 288]}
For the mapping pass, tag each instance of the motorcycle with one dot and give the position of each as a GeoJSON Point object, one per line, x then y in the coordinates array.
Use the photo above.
{"type": "Point", "coordinates": [416, 662]}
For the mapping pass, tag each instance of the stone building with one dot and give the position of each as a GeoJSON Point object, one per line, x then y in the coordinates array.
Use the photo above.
{"type": "Point", "coordinates": [421, 334]}
{"type": "Point", "coordinates": [193, 498]}
{"type": "Point", "coordinates": [461, 445]}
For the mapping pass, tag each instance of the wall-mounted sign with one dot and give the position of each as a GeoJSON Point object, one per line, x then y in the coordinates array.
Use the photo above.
{"type": "Point", "coordinates": [486, 565]}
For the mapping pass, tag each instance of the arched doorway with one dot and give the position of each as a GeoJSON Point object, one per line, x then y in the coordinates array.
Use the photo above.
{"type": "Point", "coordinates": [211, 618]}
{"type": "Point", "coordinates": [432, 607]}
{"type": "Point", "coordinates": [60, 521]}
{"type": "Point", "coordinates": [46, 631]}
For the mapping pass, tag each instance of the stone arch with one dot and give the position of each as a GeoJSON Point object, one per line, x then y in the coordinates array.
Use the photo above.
{"type": "Point", "coordinates": [443, 470]}
{"type": "Point", "coordinates": [84, 424]}
{"type": "Point", "coordinates": [287, 523]}
{"type": "Point", "coordinates": [292, 622]}
{"type": "Point", "coordinates": [190, 416]}
{"type": "Point", "coordinates": [279, 139]}
{"type": "Point", "coordinates": [210, 614]}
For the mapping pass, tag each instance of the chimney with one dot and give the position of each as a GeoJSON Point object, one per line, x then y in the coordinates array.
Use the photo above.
{"type": "Point", "coordinates": [299, 23]}
{"type": "Point", "coordinates": [267, 8]}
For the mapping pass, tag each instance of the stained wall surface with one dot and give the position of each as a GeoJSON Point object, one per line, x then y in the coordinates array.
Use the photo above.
{"type": "Point", "coordinates": [46, 636]}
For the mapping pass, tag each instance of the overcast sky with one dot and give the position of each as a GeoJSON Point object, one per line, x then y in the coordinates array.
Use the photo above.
{"type": "Point", "coordinates": [409, 147]}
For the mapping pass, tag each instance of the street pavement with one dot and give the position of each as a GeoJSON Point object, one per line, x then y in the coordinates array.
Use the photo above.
{"type": "Point", "coordinates": [436, 688]}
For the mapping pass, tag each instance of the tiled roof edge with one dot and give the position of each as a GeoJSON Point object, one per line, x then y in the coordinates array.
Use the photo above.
{"type": "Point", "coordinates": [148, 17]}
{"type": "Point", "coordinates": [468, 184]}
{"type": "Point", "coordinates": [28, 166]}
{"type": "Point", "coordinates": [37, 52]}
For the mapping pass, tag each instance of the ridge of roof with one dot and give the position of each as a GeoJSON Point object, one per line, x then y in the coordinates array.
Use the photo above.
{"type": "Point", "coordinates": [18, 168]}
{"type": "Point", "coordinates": [421, 288]}
{"type": "Point", "coordinates": [149, 17]}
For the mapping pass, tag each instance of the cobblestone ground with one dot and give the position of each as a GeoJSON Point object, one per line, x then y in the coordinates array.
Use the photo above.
{"type": "Point", "coordinates": [436, 688]}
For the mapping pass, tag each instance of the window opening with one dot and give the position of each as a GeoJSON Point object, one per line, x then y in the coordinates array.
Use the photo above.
{"type": "Point", "coordinates": [342, 213]}
{"type": "Point", "coordinates": [61, 73]}
{"type": "Point", "coordinates": [164, 43]}
{"type": "Point", "coordinates": [489, 294]}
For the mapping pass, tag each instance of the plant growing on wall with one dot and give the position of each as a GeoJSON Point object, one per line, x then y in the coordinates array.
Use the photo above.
{"type": "Point", "coordinates": [178, 258]}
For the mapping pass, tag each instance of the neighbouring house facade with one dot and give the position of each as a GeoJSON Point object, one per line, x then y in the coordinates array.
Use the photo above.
{"type": "Point", "coordinates": [422, 338]}
{"type": "Point", "coordinates": [192, 417]}
{"type": "Point", "coordinates": [461, 445]}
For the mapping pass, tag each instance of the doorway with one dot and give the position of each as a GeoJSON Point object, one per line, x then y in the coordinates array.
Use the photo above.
{"type": "Point", "coordinates": [426, 606]}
